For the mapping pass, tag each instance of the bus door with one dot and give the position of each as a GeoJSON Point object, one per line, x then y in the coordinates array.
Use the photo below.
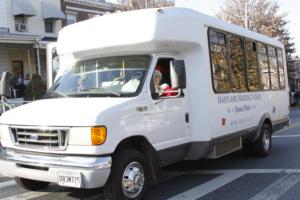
{"type": "Point", "coordinates": [169, 111]}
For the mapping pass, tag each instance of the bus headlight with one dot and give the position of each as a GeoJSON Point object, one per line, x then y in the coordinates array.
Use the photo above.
{"type": "Point", "coordinates": [98, 135]}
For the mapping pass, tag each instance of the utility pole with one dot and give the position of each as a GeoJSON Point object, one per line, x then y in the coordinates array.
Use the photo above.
{"type": "Point", "coordinates": [246, 16]}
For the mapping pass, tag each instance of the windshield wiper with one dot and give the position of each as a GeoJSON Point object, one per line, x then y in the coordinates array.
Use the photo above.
{"type": "Point", "coordinates": [55, 94]}
{"type": "Point", "coordinates": [100, 91]}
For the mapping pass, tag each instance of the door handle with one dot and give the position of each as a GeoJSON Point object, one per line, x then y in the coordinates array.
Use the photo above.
{"type": "Point", "coordinates": [187, 117]}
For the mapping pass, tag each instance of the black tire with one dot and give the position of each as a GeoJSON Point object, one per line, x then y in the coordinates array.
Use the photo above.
{"type": "Point", "coordinates": [247, 149]}
{"type": "Point", "coordinates": [31, 185]}
{"type": "Point", "coordinates": [262, 146]}
{"type": "Point", "coordinates": [113, 189]}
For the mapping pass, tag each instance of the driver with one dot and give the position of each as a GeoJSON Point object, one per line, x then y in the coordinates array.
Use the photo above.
{"type": "Point", "coordinates": [161, 89]}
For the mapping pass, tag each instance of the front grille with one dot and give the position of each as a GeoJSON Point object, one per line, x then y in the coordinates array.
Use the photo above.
{"type": "Point", "coordinates": [45, 138]}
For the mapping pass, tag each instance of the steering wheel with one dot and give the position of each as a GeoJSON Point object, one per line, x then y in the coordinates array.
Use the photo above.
{"type": "Point", "coordinates": [116, 79]}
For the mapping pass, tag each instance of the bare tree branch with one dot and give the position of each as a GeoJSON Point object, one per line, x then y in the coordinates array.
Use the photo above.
{"type": "Point", "coordinates": [263, 17]}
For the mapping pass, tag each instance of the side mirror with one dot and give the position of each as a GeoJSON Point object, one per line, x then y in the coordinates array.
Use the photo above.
{"type": "Point", "coordinates": [178, 76]}
{"type": "Point", "coordinates": [5, 84]}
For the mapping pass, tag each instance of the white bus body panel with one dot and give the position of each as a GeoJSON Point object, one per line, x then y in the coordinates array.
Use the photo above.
{"type": "Point", "coordinates": [177, 33]}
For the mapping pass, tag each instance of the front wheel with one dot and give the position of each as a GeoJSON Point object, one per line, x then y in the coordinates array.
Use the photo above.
{"type": "Point", "coordinates": [262, 146]}
{"type": "Point", "coordinates": [129, 176]}
{"type": "Point", "coordinates": [31, 185]}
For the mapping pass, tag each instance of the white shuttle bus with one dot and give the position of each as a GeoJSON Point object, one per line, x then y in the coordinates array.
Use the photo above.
{"type": "Point", "coordinates": [142, 89]}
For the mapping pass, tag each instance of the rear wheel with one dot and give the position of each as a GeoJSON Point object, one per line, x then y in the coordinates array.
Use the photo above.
{"type": "Point", "coordinates": [262, 146]}
{"type": "Point", "coordinates": [31, 185]}
{"type": "Point", "coordinates": [129, 177]}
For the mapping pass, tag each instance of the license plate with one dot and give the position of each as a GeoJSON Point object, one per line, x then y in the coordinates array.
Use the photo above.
{"type": "Point", "coordinates": [69, 179]}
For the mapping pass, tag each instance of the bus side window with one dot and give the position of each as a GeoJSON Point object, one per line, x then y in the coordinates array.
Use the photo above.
{"type": "Point", "coordinates": [219, 61]}
{"type": "Point", "coordinates": [263, 66]}
{"type": "Point", "coordinates": [273, 68]}
{"type": "Point", "coordinates": [280, 69]}
{"type": "Point", "coordinates": [237, 64]}
{"type": "Point", "coordinates": [251, 65]}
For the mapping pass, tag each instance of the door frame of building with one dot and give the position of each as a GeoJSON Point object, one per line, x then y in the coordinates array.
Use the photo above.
{"type": "Point", "coordinates": [20, 65]}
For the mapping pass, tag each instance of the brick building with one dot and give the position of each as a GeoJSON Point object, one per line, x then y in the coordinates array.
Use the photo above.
{"type": "Point", "coordinates": [79, 10]}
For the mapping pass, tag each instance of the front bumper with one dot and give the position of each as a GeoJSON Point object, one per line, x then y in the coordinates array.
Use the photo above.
{"type": "Point", "coordinates": [94, 170]}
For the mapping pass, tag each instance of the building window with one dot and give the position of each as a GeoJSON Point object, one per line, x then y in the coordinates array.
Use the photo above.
{"type": "Point", "coordinates": [49, 26]}
{"type": "Point", "coordinates": [71, 19]}
{"type": "Point", "coordinates": [21, 23]}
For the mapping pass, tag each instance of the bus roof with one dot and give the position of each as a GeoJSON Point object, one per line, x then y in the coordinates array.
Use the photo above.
{"type": "Point", "coordinates": [149, 30]}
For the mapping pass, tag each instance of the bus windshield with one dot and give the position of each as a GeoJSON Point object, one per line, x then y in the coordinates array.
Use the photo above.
{"type": "Point", "coordinates": [117, 76]}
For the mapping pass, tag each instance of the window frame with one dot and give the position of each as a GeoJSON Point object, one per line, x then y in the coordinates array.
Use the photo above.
{"type": "Point", "coordinates": [170, 58]}
{"type": "Point", "coordinates": [268, 62]}
{"type": "Point", "coordinates": [257, 67]}
{"type": "Point", "coordinates": [72, 16]}
{"type": "Point", "coordinates": [21, 17]}
{"type": "Point", "coordinates": [211, 63]}
{"type": "Point", "coordinates": [244, 66]}
{"type": "Point", "coordinates": [46, 21]}
{"type": "Point", "coordinates": [284, 73]}
{"type": "Point", "coordinates": [277, 67]}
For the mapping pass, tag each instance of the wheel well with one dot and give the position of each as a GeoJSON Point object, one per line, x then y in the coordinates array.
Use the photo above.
{"type": "Point", "coordinates": [268, 121]}
{"type": "Point", "coordinates": [141, 144]}
{"type": "Point", "coordinates": [253, 137]}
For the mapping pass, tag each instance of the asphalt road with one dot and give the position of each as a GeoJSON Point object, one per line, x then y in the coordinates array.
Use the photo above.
{"type": "Point", "coordinates": [233, 177]}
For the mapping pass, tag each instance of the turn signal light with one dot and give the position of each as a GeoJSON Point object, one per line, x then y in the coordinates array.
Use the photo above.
{"type": "Point", "coordinates": [98, 135]}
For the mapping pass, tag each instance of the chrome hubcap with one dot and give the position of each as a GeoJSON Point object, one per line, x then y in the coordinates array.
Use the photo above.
{"type": "Point", "coordinates": [266, 140]}
{"type": "Point", "coordinates": [133, 180]}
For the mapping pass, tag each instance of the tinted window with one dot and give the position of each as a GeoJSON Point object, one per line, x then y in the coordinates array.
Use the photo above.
{"type": "Point", "coordinates": [220, 70]}
{"type": "Point", "coordinates": [263, 66]}
{"type": "Point", "coordinates": [237, 64]}
{"type": "Point", "coordinates": [273, 68]}
{"type": "Point", "coordinates": [252, 67]}
{"type": "Point", "coordinates": [281, 69]}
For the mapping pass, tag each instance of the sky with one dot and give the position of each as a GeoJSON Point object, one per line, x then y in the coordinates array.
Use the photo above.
{"type": "Point", "coordinates": [292, 7]}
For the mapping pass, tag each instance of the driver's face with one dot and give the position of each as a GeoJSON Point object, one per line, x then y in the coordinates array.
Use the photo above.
{"type": "Point", "coordinates": [157, 80]}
